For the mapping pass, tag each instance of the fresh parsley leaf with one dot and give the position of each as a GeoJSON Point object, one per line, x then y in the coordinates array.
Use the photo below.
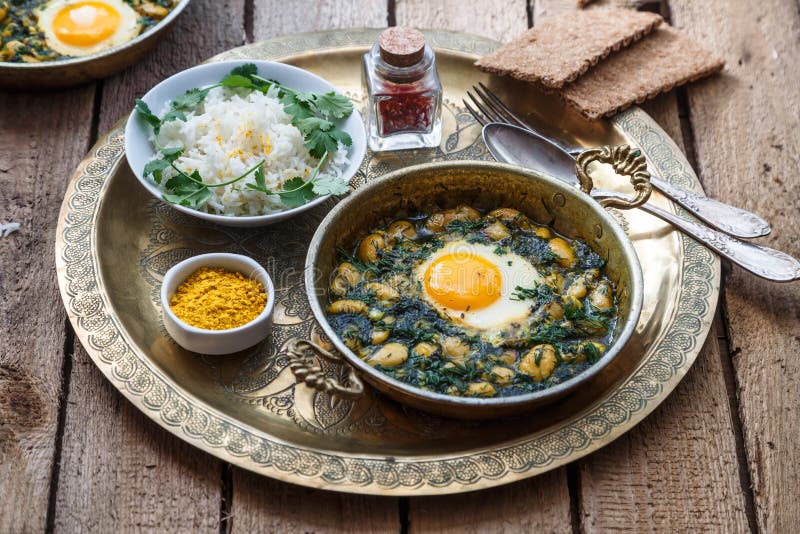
{"type": "Point", "coordinates": [319, 142]}
{"type": "Point", "coordinates": [540, 293]}
{"type": "Point", "coordinates": [187, 190]}
{"type": "Point", "coordinates": [329, 185]}
{"type": "Point", "coordinates": [301, 96]}
{"type": "Point", "coordinates": [156, 168]}
{"type": "Point", "coordinates": [265, 83]}
{"type": "Point", "coordinates": [173, 115]}
{"type": "Point", "coordinates": [296, 192]}
{"type": "Point", "coordinates": [172, 153]}
{"type": "Point", "coordinates": [247, 70]}
{"type": "Point", "coordinates": [341, 135]}
{"type": "Point", "coordinates": [144, 111]}
{"type": "Point", "coordinates": [190, 99]}
{"type": "Point", "coordinates": [309, 124]}
{"type": "Point", "coordinates": [333, 105]}
{"type": "Point", "coordinates": [182, 184]}
{"type": "Point", "coordinates": [260, 178]}
{"type": "Point", "coordinates": [296, 108]}
{"type": "Point", "coordinates": [237, 80]}
{"type": "Point", "coordinates": [194, 199]}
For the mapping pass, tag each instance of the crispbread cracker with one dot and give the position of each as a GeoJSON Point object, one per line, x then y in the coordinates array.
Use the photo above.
{"type": "Point", "coordinates": [665, 59]}
{"type": "Point", "coordinates": [561, 48]}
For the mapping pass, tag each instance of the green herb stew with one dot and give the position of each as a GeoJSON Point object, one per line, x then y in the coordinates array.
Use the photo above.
{"type": "Point", "coordinates": [472, 303]}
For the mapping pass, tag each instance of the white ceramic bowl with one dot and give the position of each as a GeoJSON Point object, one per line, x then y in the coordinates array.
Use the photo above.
{"type": "Point", "coordinates": [139, 150]}
{"type": "Point", "coordinates": [217, 341]}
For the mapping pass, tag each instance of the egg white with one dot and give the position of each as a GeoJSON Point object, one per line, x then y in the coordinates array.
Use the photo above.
{"type": "Point", "coordinates": [129, 27]}
{"type": "Point", "coordinates": [514, 271]}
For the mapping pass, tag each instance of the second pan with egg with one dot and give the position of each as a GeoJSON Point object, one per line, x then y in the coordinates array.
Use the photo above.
{"type": "Point", "coordinates": [436, 188]}
{"type": "Point", "coordinates": [118, 43]}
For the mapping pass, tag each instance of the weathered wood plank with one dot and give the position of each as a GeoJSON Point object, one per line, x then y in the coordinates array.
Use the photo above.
{"type": "Point", "coordinates": [678, 469]}
{"type": "Point", "coordinates": [508, 508]}
{"type": "Point", "coordinates": [119, 469]}
{"type": "Point", "coordinates": [44, 137]}
{"type": "Point", "coordinates": [272, 18]}
{"type": "Point", "coordinates": [264, 505]}
{"type": "Point", "coordinates": [499, 20]}
{"type": "Point", "coordinates": [541, 504]}
{"type": "Point", "coordinates": [745, 126]}
{"type": "Point", "coordinates": [547, 8]}
{"type": "Point", "coordinates": [257, 503]}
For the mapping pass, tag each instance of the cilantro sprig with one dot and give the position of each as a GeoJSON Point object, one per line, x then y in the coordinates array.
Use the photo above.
{"type": "Point", "coordinates": [188, 189]}
{"type": "Point", "coordinates": [296, 191]}
{"type": "Point", "coordinates": [312, 113]}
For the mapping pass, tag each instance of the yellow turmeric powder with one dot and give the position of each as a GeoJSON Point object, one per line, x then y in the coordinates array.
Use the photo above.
{"type": "Point", "coordinates": [217, 299]}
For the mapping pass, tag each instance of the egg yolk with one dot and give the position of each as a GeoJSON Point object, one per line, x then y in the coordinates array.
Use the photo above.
{"type": "Point", "coordinates": [463, 281]}
{"type": "Point", "coordinates": [85, 23]}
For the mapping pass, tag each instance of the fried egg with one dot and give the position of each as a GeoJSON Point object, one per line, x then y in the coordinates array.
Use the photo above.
{"type": "Point", "coordinates": [81, 28]}
{"type": "Point", "coordinates": [470, 284]}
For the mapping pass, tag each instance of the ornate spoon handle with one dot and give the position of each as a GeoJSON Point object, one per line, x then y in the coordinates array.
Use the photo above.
{"type": "Point", "coordinates": [730, 219]}
{"type": "Point", "coordinates": [765, 262]}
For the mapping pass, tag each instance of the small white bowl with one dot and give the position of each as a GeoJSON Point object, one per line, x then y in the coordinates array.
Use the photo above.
{"type": "Point", "coordinates": [217, 341]}
{"type": "Point", "coordinates": [139, 150]}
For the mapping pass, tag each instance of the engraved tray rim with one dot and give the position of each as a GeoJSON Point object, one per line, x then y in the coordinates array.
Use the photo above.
{"type": "Point", "coordinates": [192, 420]}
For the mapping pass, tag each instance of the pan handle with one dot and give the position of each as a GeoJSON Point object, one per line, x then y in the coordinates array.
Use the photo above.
{"type": "Point", "coordinates": [302, 361]}
{"type": "Point", "coordinates": [625, 161]}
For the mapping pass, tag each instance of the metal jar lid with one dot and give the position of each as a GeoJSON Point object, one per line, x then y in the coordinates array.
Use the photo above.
{"type": "Point", "coordinates": [401, 46]}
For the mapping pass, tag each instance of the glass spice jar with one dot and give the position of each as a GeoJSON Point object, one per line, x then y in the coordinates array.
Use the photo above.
{"type": "Point", "coordinates": [405, 94]}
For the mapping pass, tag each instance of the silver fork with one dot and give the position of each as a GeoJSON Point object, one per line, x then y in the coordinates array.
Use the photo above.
{"type": "Point", "coordinates": [730, 219]}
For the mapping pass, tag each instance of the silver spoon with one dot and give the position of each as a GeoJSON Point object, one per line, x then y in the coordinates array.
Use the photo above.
{"type": "Point", "coordinates": [730, 219]}
{"type": "Point", "coordinates": [510, 144]}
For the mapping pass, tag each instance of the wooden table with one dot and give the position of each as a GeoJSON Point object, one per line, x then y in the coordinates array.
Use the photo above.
{"type": "Point", "coordinates": [720, 454]}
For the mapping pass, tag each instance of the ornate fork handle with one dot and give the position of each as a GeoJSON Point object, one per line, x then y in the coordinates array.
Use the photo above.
{"type": "Point", "coordinates": [762, 261]}
{"type": "Point", "coordinates": [729, 219]}
{"type": "Point", "coordinates": [303, 364]}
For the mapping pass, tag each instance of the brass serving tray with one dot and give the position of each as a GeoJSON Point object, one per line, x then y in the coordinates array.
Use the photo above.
{"type": "Point", "coordinates": [114, 243]}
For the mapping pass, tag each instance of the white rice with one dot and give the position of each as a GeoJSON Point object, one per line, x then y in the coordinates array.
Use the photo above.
{"type": "Point", "coordinates": [230, 133]}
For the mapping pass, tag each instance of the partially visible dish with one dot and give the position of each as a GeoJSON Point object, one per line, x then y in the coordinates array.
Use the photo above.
{"type": "Point", "coordinates": [244, 144]}
{"type": "Point", "coordinates": [31, 72]}
{"type": "Point", "coordinates": [33, 31]}
{"type": "Point", "coordinates": [469, 303]}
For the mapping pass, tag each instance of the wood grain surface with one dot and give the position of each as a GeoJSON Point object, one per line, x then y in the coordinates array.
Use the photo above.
{"type": "Point", "coordinates": [76, 456]}
{"type": "Point", "coordinates": [745, 127]}
{"type": "Point", "coordinates": [119, 469]}
{"type": "Point", "coordinates": [679, 466]}
{"type": "Point", "coordinates": [33, 339]}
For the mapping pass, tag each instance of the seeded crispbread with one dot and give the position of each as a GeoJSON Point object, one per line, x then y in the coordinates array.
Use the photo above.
{"type": "Point", "coordinates": [665, 59]}
{"type": "Point", "coordinates": [561, 48]}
